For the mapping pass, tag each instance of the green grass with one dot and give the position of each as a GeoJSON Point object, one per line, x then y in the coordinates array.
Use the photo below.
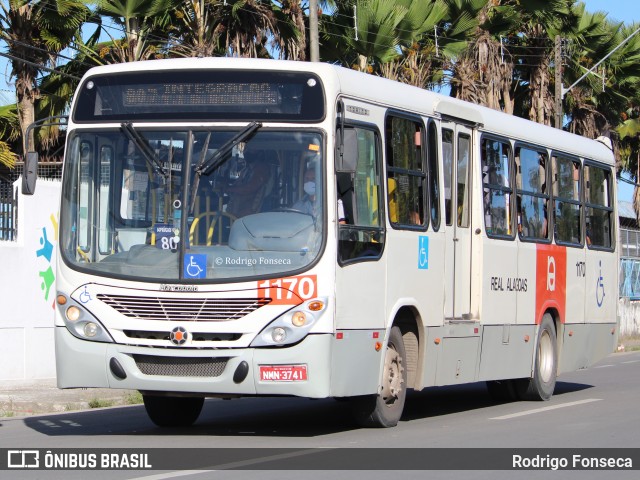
{"type": "Point", "coordinates": [97, 403]}
{"type": "Point", "coordinates": [133, 398]}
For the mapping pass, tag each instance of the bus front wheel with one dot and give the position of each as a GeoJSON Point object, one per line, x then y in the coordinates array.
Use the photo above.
{"type": "Point", "coordinates": [385, 409]}
{"type": "Point", "coordinates": [543, 382]}
{"type": "Point", "coordinates": [173, 411]}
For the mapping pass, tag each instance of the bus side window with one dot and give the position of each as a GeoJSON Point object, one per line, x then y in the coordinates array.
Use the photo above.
{"type": "Point", "coordinates": [599, 211]}
{"type": "Point", "coordinates": [496, 184]}
{"type": "Point", "coordinates": [566, 200]}
{"type": "Point", "coordinates": [533, 194]}
{"type": "Point", "coordinates": [406, 172]}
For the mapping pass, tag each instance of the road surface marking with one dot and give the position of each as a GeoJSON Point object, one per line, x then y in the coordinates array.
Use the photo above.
{"type": "Point", "coordinates": [632, 361]}
{"type": "Point", "coordinates": [545, 409]}
{"type": "Point", "coordinates": [604, 366]}
{"type": "Point", "coordinates": [232, 465]}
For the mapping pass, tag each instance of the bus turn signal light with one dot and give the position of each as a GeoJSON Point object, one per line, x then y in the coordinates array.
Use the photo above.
{"type": "Point", "coordinates": [315, 306]}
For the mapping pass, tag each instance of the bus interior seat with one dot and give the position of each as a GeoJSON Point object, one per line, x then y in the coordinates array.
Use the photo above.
{"type": "Point", "coordinates": [272, 231]}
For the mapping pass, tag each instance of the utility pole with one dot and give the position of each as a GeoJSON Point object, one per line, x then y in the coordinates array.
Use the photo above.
{"type": "Point", "coordinates": [314, 44]}
{"type": "Point", "coordinates": [558, 90]}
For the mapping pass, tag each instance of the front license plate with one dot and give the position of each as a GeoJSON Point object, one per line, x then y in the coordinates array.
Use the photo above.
{"type": "Point", "coordinates": [283, 373]}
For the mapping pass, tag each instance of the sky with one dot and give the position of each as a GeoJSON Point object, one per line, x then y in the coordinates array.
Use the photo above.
{"type": "Point", "coordinates": [627, 11]}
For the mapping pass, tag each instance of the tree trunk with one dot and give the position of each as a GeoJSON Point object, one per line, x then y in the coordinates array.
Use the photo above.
{"type": "Point", "coordinates": [27, 117]}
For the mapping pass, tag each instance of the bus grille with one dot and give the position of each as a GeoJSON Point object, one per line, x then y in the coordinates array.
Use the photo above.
{"type": "Point", "coordinates": [183, 309]}
{"type": "Point", "coordinates": [181, 366]}
{"type": "Point", "coordinates": [195, 336]}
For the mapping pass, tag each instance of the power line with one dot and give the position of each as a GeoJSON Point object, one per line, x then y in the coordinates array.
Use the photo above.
{"type": "Point", "coordinates": [49, 52]}
{"type": "Point", "coordinates": [38, 66]}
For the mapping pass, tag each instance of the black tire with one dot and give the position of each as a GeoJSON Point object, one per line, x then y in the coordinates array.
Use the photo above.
{"type": "Point", "coordinates": [502, 391]}
{"type": "Point", "coordinates": [545, 369]}
{"type": "Point", "coordinates": [173, 411]}
{"type": "Point", "coordinates": [385, 408]}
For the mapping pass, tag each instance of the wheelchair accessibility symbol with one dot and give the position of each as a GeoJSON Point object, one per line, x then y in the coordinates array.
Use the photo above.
{"type": "Point", "coordinates": [195, 266]}
{"type": "Point", "coordinates": [85, 296]}
{"type": "Point", "coordinates": [600, 288]}
{"type": "Point", "coordinates": [423, 252]}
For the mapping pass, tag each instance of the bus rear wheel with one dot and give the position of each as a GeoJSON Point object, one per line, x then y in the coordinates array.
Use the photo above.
{"type": "Point", "coordinates": [543, 382]}
{"type": "Point", "coordinates": [385, 409]}
{"type": "Point", "coordinates": [173, 411]}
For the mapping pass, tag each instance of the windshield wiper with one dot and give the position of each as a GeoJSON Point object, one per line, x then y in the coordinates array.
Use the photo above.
{"type": "Point", "coordinates": [207, 165]}
{"type": "Point", "coordinates": [142, 144]}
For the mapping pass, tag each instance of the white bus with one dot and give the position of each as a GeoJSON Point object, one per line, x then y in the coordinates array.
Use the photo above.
{"type": "Point", "coordinates": [241, 227]}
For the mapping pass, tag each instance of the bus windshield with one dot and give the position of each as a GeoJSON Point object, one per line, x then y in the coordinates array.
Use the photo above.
{"type": "Point", "coordinates": [137, 203]}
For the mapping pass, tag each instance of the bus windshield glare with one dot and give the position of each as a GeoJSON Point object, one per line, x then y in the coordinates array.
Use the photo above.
{"type": "Point", "coordinates": [136, 204]}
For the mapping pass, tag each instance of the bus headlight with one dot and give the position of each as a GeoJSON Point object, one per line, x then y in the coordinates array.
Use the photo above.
{"type": "Point", "coordinates": [298, 319]}
{"type": "Point", "coordinates": [90, 329]}
{"type": "Point", "coordinates": [292, 326]}
{"type": "Point", "coordinates": [81, 323]}
{"type": "Point", "coordinates": [72, 313]}
{"type": "Point", "coordinates": [279, 335]}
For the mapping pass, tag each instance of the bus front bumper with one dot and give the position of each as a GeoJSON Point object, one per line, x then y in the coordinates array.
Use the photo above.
{"type": "Point", "coordinates": [300, 370]}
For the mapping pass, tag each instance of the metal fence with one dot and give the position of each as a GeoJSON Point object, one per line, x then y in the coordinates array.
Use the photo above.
{"type": "Point", "coordinates": [50, 170]}
{"type": "Point", "coordinates": [8, 211]}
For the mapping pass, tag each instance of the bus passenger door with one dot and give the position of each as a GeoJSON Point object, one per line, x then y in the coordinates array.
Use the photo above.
{"type": "Point", "coordinates": [361, 272]}
{"type": "Point", "coordinates": [456, 155]}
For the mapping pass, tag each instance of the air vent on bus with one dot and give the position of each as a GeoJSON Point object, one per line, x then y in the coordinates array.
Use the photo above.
{"type": "Point", "coordinates": [181, 366]}
{"type": "Point", "coordinates": [183, 309]}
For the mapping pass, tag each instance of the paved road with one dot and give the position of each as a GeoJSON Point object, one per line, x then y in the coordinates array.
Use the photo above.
{"type": "Point", "coordinates": [593, 408]}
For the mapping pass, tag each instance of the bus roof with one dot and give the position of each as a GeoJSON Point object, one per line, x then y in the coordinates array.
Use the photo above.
{"type": "Point", "coordinates": [343, 81]}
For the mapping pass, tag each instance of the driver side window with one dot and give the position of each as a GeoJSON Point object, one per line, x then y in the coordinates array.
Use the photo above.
{"type": "Point", "coordinates": [361, 233]}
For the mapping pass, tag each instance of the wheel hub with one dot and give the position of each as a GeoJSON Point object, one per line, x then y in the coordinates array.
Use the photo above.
{"type": "Point", "coordinates": [392, 382]}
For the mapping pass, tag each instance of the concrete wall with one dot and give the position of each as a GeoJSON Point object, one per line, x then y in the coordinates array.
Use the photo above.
{"type": "Point", "coordinates": [27, 290]}
{"type": "Point", "coordinates": [629, 312]}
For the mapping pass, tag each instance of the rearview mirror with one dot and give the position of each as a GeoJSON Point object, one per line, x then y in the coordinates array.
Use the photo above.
{"type": "Point", "coordinates": [347, 151]}
{"type": "Point", "coordinates": [30, 173]}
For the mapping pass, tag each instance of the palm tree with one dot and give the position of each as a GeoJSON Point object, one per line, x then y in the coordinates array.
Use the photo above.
{"type": "Point", "coordinates": [35, 32]}
{"type": "Point", "coordinates": [194, 32]}
{"type": "Point", "coordinates": [9, 133]}
{"type": "Point", "coordinates": [539, 21]}
{"type": "Point", "coordinates": [245, 27]}
{"type": "Point", "coordinates": [381, 36]}
{"type": "Point", "coordinates": [594, 105]}
{"type": "Point", "coordinates": [143, 24]}
{"type": "Point", "coordinates": [292, 29]}
{"type": "Point", "coordinates": [481, 72]}
{"type": "Point", "coordinates": [417, 63]}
